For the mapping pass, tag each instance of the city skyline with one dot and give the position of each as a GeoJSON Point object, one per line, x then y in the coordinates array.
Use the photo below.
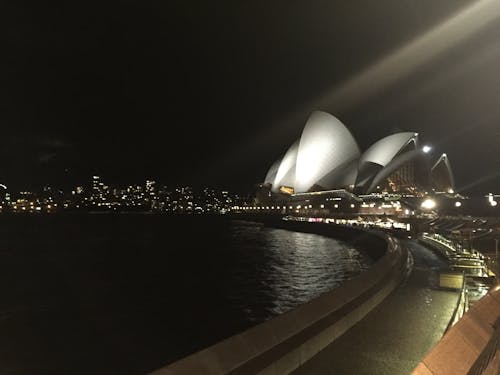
{"type": "Point", "coordinates": [97, 194]}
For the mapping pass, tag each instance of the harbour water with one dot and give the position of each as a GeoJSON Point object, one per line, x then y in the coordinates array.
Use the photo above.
{"type": "Point", "coordinates": [128, 293]}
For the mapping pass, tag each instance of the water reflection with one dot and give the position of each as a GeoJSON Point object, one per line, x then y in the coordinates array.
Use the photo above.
{"type": "Point", "coordinates": [293, 269]}
{"type": "Point", "coordinates": [136, 292]}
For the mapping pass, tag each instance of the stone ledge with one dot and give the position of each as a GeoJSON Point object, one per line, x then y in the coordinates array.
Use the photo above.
{"type": "Point", "coordinates": [282, 344]}
{"type": "Point", "coordinates": [471, 345]}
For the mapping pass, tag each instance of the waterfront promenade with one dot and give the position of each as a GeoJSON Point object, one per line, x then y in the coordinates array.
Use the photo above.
{"type": "Point", "coordinates": [396, 335]}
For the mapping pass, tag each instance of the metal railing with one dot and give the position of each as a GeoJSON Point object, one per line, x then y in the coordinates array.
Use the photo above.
{"type": "Point", "coordinates": [460, 307]}
{"type": "Point", "coordinates": [457, 256]}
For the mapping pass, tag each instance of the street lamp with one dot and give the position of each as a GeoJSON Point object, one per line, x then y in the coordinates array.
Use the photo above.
{"type": "Point", "coordinates": [428, 204]}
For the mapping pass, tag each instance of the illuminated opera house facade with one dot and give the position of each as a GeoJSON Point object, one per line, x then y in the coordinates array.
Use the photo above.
{"type": "Point", "coordinates": [327, 161]}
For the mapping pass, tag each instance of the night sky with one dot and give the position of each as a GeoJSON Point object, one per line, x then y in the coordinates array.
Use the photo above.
{"type": "Point", "coordinates": [211, 93]}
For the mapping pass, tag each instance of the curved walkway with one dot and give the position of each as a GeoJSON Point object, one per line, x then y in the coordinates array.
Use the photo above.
{"type": "Point", "coordinates": [397, 334]}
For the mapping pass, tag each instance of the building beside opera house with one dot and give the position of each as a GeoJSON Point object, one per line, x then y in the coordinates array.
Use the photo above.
{"type": "Point", "coordinates": [325, 165]}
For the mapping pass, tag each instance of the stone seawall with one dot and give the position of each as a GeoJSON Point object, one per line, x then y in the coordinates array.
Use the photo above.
{"type": "Point", "coordinates": [282, 344]}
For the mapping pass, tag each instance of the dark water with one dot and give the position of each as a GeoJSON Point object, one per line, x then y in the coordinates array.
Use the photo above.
{"type": "Point", "coordinates": [126, 294]}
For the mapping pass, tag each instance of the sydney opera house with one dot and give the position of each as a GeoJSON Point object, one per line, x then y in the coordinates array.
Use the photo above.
{"type": "Point", "coordinates": [327, 158]}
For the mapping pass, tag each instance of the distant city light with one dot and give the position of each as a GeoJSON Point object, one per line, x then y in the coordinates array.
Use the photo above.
{"type": "Point", "coordinates": [493, 203]}
{"type": "Point", "coordinates": [426, 149]}
{"type": "Point", "coordinates": [458, 204]}
{"type": "Point", "coordinates": [428, 204]}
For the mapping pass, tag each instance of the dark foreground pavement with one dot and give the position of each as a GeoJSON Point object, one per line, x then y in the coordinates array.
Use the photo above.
{"type": "Point", "coordinates": [396, 335]}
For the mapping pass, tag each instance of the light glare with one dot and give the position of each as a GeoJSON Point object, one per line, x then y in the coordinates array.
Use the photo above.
{"type": "Point", "coordinates": [428, 204]}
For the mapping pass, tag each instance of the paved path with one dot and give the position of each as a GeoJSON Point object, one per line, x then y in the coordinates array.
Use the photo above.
{"type": "Point", "coordinates": [396, 335]}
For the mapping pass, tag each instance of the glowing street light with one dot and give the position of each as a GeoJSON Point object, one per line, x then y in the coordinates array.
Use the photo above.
{"type": "Point", "coordinates": [428, 204]}
{"type": "Point", "coordinates": [458, 204]}
{"type": "Point", "coordinates": [493, 203]}
{"type": "Point", "coordinates": [426, 149]}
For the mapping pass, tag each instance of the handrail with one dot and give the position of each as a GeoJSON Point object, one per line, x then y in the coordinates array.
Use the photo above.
{"type": "Point", "coordinates": [460, 301]}
{"type": "Point", "coordinates": [455, 257]}
{"type": "Point", "coordinates": [438, 240]}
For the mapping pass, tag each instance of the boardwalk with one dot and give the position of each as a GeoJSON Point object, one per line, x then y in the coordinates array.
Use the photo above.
{"type": "Point", "coordinates": [395, 336]}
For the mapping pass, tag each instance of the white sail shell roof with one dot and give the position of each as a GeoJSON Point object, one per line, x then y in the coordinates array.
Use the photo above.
{"type": "Point", "coordinates": [343, 176]}
{"type": "Point", "coordinates": [385, 149]}
{"type": "Point", "coordinates": [325, 144]}
{"type": "Point", "coordinates": [271, 173]}
{"type": "Point", "coordinates": [285, 175]}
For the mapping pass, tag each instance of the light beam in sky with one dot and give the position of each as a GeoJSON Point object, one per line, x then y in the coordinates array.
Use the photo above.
{"type": "Point", "coordinates": [398, 64]}
{"type": "Point", "coordinates": [441, 38]}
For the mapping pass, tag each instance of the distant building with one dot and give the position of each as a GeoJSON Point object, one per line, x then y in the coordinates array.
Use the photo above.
{"type": "Point", "coordinates": [150, 186]}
